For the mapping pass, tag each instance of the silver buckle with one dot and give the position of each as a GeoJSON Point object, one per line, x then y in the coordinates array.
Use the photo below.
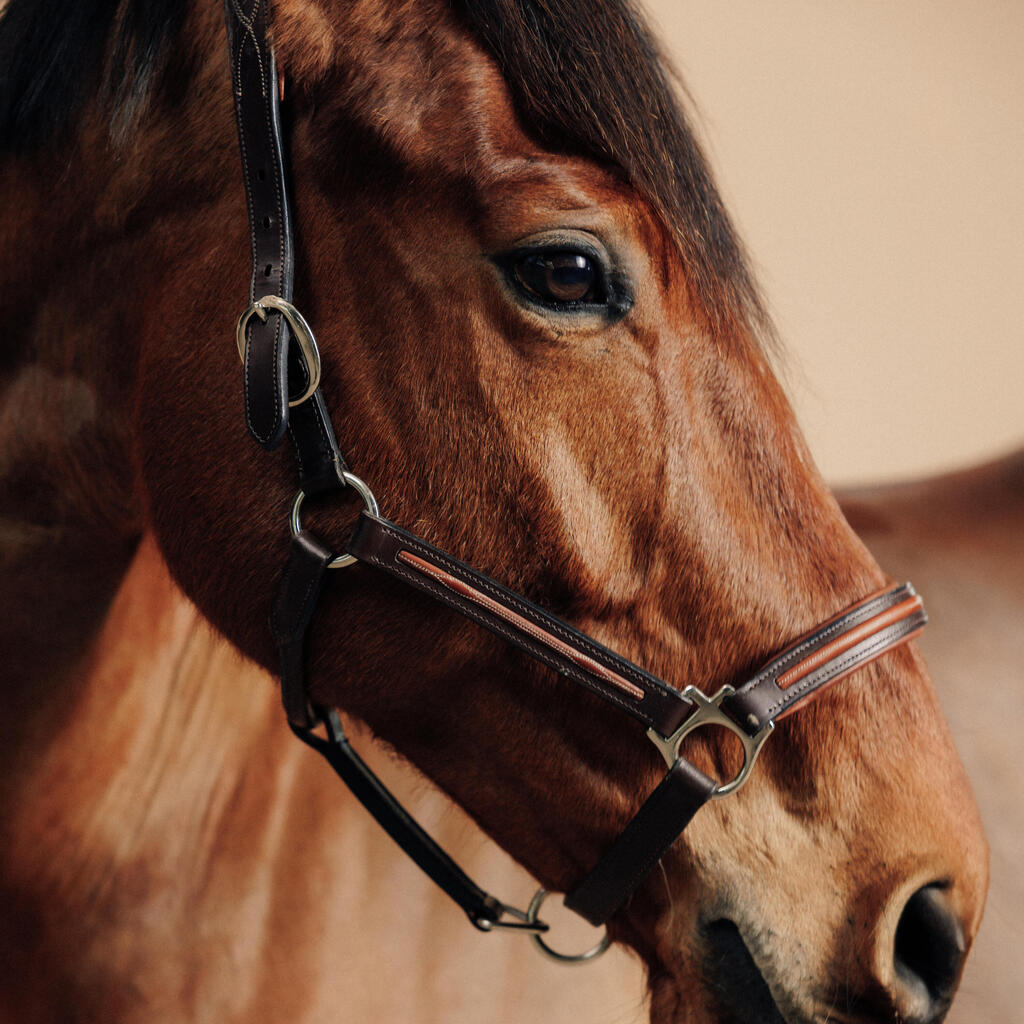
{"type": "Point", "coordinates": [302, 331]}
{"type": "Point", "coordinates": [708, 711]}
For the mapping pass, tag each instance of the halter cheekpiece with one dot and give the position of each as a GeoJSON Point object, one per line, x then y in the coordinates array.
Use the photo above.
{"type": "Point", "coordinates": [281, 384]}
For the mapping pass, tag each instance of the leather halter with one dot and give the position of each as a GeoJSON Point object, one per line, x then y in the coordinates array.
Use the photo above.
{"type": "Point", "coordinates": [750, 709]}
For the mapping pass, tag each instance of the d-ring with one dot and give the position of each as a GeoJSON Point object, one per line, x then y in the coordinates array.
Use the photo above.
{"type": "Point", "coordinates": [708, 711]}
{"type": "Point", "coordinates": [302, 331]}
{"type": "Point", "coordinates": [563, 958]}
{"type": "Point", "coordinates": [368, 500]}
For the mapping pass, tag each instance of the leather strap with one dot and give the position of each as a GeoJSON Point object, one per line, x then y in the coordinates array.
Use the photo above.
{"type": "Point", "coordinates": [851, 640]}
{"type": "Point", "coordinates": [543, 636]}
{"type": "Point", "coordinates": [656, 826]}
{"type": "Point", "coordinates": [294, 603]}
{"type": "Point", "coordinates": [826, 655]}
{"type": "Point", "coordinates": [268, 366]}
{"type": "Point", "coordinates": [485, 911]}
{"type": "Point", "coordinates": [316, 450]}
{"type": "Point", "coordinates": [254, 77]}
{"type": "Point", "coordinates": [847, 642]}
{"type": "Point", "coordinates": [270, 359]}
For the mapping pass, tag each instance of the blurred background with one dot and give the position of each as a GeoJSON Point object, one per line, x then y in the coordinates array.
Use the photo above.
{"type": "Point", "coordinates": [871, 155]}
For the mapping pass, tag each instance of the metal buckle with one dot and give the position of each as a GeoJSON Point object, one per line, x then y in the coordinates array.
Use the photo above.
{"type": "Point", "coordinates": [302, 331]}
{"type": "Point", "coordinates": [709, 712]}
{"type": "Point", "coordinates": [368, 500]}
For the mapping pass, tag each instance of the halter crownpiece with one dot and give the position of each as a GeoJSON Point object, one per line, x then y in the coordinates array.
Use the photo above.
{"type": "Point", "coordinates": [749, 710]}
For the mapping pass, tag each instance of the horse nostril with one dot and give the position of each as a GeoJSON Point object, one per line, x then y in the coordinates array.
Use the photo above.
{"type": "Point", "coordinates": [929, 947]}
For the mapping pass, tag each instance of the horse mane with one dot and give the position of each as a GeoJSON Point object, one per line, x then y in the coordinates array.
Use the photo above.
{"type": "Point", "coordinates": [585, 75]}
{"type": "Point", "coordinates": [54, 54]}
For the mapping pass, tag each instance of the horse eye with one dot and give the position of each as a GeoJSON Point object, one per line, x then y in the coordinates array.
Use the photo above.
{"type": "Point", "coordinates": [559, 278]}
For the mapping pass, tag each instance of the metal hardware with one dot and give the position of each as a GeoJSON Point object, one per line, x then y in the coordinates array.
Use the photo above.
{"type": "Point", "coordinates": [563, 958]}
{"type": "Point", "coordinates": [368, 500]}
{"type": "Point", "coordinates": [302, 331]}
{"type": "Point", "coordinates": [709, 712]}
{"type": "Point", "coordinates": [523, 923]}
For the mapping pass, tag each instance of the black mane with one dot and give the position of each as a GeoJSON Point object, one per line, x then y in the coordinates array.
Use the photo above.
{"type": "Point", "coordinates": [55, 53]}
{"type": "Point", "coordinates": [585, 75]}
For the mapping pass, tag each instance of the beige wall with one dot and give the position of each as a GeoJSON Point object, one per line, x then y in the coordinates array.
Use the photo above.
{"type": "Point", "coordinates": [872, 154]}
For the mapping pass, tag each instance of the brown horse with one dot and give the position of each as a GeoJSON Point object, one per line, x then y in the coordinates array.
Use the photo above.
{"type": "Point", "coordinates": [543, 348]}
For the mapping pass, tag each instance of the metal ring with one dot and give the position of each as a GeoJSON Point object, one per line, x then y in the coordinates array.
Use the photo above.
{"type": "Point", "coordinates": [368, 500]}
{"type": "Point", "coordinates": [563, 958]}
{"type": "Point", "coordinates": [708, 711]}
{"type": "Point", "coordinates": [302, 331]}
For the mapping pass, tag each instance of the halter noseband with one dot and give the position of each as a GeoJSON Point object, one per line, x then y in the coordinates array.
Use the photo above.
{"type": "Point", "coordinates": [264, 333]}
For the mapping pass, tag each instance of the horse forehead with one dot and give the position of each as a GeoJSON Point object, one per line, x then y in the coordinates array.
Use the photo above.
{"type": "Point", "coordinates": [441, 107]}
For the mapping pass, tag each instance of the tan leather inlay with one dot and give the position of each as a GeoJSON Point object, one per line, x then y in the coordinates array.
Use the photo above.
{"type": "Point", "coordinates": [456, 585]}
{"type": "Point", "coordinates": [850, 639]}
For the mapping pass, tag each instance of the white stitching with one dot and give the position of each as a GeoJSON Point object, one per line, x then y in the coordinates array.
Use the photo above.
{"type": "Point", "coordinates": [895, 632]}
{"type": "Point", "coordinates": [634, 709]}
{"type": "Point", "coordinates": [532, 629]}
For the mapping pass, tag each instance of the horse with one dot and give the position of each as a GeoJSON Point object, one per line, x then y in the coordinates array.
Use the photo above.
{"type": "Point", "coordinates": [542, 345]}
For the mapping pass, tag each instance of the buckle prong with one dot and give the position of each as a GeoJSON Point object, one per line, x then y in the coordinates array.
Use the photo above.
{"type": "Point", "coordinates": [522, 923]}
{"type": "Point", "coordinates": [302, 331]}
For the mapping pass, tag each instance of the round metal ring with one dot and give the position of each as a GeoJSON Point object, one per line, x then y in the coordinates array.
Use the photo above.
{"type": "Point", "coordinates": [563, 958]}
{"type": "Point", "coordinates": [363, 491]}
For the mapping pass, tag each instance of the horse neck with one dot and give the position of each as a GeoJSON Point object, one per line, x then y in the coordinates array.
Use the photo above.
{"type": "Point", "coordinates": [208, 856]}
{"type": "Point", "coordinates": [92, 221]}
{"type": "Point", "coordinates": [169, 764]}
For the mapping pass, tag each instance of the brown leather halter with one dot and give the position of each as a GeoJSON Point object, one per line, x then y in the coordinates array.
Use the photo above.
{"type": "Point", "coordinates": [272, 365]}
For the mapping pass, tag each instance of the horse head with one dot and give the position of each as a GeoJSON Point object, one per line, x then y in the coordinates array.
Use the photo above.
{"type": "Point", "coordinates": [543, 350]}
